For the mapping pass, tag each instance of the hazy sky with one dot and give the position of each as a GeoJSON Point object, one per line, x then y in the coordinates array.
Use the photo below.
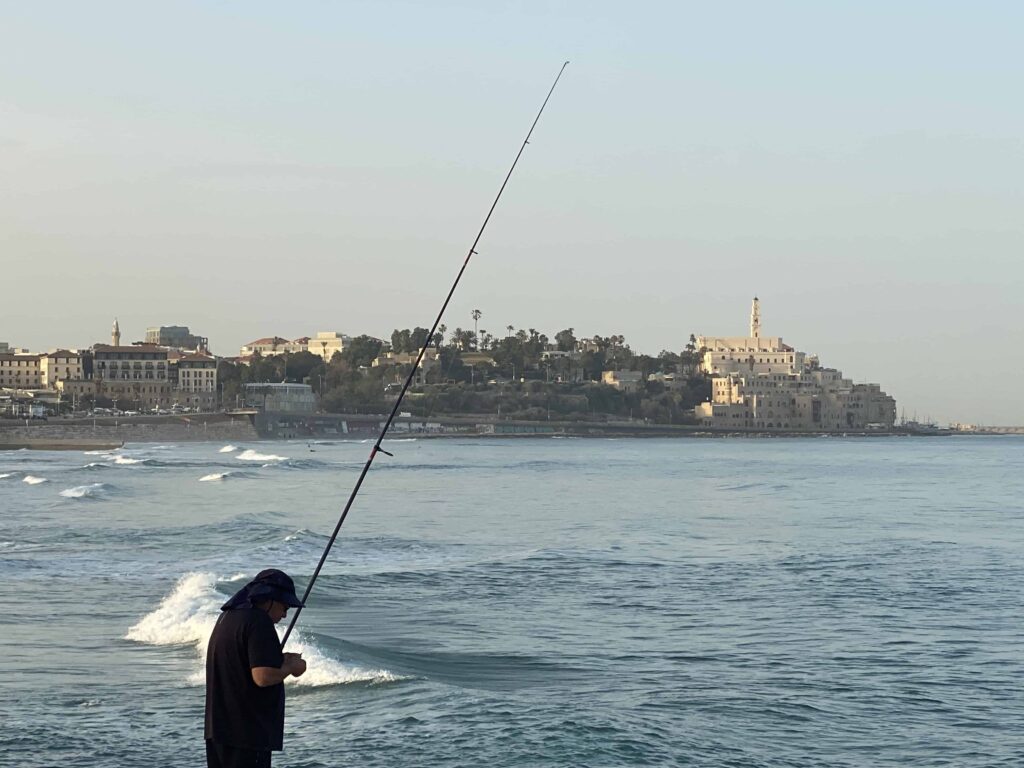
{"type": "Point", "coordinates": [259, 168]}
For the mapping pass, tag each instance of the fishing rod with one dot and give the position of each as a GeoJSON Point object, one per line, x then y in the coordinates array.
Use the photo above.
{"type": "Point", "coordinates": [412, 374]}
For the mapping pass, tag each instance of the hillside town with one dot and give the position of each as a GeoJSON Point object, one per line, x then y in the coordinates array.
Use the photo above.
{"type": "Point", "coordinates": [752, 383]}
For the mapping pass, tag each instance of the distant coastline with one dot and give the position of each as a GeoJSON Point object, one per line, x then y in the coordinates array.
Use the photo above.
{"type": "Point", "coordinates": [112, 432]}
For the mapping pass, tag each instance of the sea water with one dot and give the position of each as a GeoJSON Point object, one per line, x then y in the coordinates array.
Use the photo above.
{"type": "Point", "coordinates": [536, 602]}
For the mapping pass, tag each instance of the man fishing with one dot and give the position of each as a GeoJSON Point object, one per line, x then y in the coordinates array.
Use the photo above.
{"type": "Point", "coordinates": [245, 673]}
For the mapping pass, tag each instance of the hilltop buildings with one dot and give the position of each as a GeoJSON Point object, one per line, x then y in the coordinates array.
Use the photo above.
{"type": "Point", "coordinates": [760, 383]}
{"type": "Point", "coordinates": [757, 382]}
{"type": "Point", "coordinates": [273, 345]}
{"type": "Point", "coordinates": [325, 344]}
{"type": "Point", "coordinates": [138, 376]}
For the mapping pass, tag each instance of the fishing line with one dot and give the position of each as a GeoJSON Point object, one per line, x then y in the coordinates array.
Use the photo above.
{"type": "Point", "coordinates": [419, 358]}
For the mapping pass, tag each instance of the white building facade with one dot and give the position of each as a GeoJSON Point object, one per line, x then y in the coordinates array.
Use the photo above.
{"type": "Point", "coordinates": [197, 382]}
{"type": "Point", "coordinates": [326, 343]}
{"type": "Point", "coordinates": [273, 345]}
{"type": "Point", "coordinates": [59, 365]}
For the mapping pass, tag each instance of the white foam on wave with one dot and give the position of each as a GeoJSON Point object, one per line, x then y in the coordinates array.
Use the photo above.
{"type": "Point", "coordinates": [250, 455]}
{"type": "Point", "coordinates": [187, 616]}
{"type": "Point", "coordinates": [127, 460]}
{"type": "Point", "coordinates": [83, 491]}
{"type": "Point", "coordinates": [104, 452]}
{"type": "Point", "coordinates": [322, 670]}
{"type": "Point", "coordinates": [184, 617]}
{"type": "Point", "coordinates": [214, 476]}
{"type": "Point", "coordinates": [6, 475]}
{"type": "Point", "coordinates": [228, 449]}
{"type": "Point", "coordinates": [33, 480]}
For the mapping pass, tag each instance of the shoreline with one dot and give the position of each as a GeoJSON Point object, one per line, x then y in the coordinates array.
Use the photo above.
{"type": "Point", "coordinates": [111, 433]}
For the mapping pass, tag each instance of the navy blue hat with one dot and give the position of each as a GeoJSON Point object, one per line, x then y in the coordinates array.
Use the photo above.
{"type": "Point", "coordinates": [270, 584]}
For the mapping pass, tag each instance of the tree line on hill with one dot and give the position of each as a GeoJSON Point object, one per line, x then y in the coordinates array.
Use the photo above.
{"type": "Point", "coordinates": [520, 375]}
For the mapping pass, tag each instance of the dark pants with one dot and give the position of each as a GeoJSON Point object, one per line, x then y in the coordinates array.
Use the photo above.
{"type": "Point", "coordinates": [222, 756]}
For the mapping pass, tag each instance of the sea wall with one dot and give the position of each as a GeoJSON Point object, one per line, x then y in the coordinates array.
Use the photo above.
{"type": "Point", "coordinates": [128, 431]}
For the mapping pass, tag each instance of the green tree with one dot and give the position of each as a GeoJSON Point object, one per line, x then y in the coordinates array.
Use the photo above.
{"type": "Point", "coordinates": [263, 369]}
{"type": "Point", "coordinates": [565, 340]}
{"type": "Point", "coordinates": [668, 361]}
{"type": "Point", "coordinates": [418, 338]}
{"type": "Point", "coordinates": [362, 351]}
{"type": "Point", "coordinates": [400, 340]}
{"type": "Point", "coordinates": [303, 366]}
{"type": "Point", "coordinates": [476, 314]}
{"type": "Point", "coordinates": [593, 364]}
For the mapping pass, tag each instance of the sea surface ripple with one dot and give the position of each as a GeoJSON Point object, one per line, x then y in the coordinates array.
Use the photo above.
{"type": "Point", "coordinates": [792, 602]}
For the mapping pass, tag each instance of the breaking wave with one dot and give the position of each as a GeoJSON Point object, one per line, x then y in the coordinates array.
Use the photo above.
{"type": "Point", "coordinates": [214, 476]}
{"type": "Point", "coordinates": [187, 616]}
{"type": "Point", "coordinates": [104, 452]}
{"type": "Point", "coordinates": [127, 460]}
{"type": "Point", "coordinates": [33, 480]}
{"type": "Point", "coordinates": [6, 475]}
{"type": "Point", "coordinates": [250, 455]}
{"type": "Point", "coordinates": [84, 491]}
{"type": "Point", "coordinates": [228, 449]}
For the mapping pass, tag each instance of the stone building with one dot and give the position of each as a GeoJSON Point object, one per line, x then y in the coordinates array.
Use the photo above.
{"type": "Point", "coordinates": [196, 384]}
{"type": "Point", "coordinates": [136, 375]}
{"type": "Point", "coordinates": [327, 343]}
{"type": "Point", "coordinates": [761, 383]}
{"type": "Point", "coordinates": [20, 371]}
{"type": "Point", "coordinates": [59, 365]}
{"type": "Point", "coordinates": [626, 381]}
{"type": "Point", "coordinates": [394, 359]}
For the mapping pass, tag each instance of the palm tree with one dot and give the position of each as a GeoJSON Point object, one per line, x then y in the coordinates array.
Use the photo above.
{"type": "Point", "coordinates": [509, 328]}
{"type": "Point", "coordinates": [476, 314]}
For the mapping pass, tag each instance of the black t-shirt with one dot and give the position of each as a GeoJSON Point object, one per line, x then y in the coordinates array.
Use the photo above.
{"type": "Point", "coordinates": [238, 712]}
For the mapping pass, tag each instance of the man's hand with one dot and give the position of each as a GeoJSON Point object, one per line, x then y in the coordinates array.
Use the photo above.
{"type": "Point", "coordinates": [294, 664]}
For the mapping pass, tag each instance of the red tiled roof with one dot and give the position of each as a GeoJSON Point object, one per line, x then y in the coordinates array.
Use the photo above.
{"type": "Point", "coordinates": [267, 340]}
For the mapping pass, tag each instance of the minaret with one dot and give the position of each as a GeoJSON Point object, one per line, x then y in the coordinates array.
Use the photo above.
{"type": "Point", "coordinates": [115, 334]}
{"type": "Point", "coordinates": [755, 319]}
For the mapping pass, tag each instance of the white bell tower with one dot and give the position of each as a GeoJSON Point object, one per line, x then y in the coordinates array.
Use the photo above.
{"type": "Point", "coordinates": [755, 319]}
{"type": "Point", "coordinates": [115, 334]}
